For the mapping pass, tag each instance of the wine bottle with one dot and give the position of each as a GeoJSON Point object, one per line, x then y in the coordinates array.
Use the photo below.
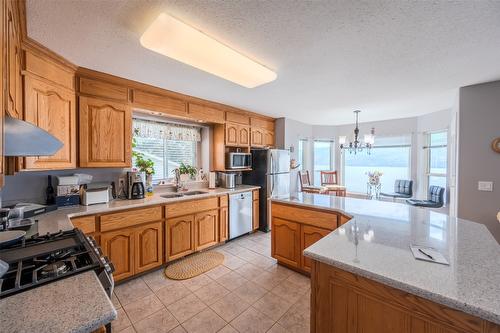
{"type": "Point", "coordinates": [50, 197]}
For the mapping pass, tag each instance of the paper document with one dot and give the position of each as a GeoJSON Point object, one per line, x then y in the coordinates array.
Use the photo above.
{"type": "Point", "coordinates": [428, 254]}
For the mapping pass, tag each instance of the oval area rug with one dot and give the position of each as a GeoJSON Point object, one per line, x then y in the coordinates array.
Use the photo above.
{"type": "Point", "coordinates": [194, 265]}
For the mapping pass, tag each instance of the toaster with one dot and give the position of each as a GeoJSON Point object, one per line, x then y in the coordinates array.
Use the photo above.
{"type": "Point", "coordinates": [94, 196]}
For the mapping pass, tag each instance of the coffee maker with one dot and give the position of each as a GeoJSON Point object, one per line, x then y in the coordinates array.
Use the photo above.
{"type": "Point", "coordinates": [135, 185]}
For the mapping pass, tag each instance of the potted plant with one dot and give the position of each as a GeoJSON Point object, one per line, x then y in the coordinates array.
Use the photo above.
{"type": "Point", "coordinates": [187, 172]}
{"type": "Point", "coordinates": [145, 165]}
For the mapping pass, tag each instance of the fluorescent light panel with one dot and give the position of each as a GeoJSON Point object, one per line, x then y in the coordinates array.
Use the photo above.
{"type": "Point", "coordinates": [179, 41]}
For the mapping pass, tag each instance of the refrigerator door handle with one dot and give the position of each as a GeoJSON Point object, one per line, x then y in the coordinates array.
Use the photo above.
{"type": "Point", "coordinates": [271, 162]}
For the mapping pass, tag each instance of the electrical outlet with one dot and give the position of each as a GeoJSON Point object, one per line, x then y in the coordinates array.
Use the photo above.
{"type": "Point", "coordinates": [485, 186]}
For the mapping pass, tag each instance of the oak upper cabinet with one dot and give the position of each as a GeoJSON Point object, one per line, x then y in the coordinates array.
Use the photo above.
{"type": "Point", "coordinates": [308, 236]}
{"type": "Point", "coordinates": [51, 108]}
{"type": "Point", "coordinates": [105, 133]}
{"type": "Point", "coordinates": [180, 236]}
{"type": "Point", "coordinates": [148, 246]}
{"type": "Point", "coordinates": [269, 138]}
{"type": "Point", "coordinates": [285, 241]}
{"type": "Point", "coordinates": [232, 134]}
{"type": "Point", "coordinates": [207, 229]}
{"type": "Point", "coordinates": [244, 135]}
{"type": "Point", "coordinates": [13, 44]}
{"type": "Point", "coordinates": [257, 137]}
{"type": "Point", "coordinates": [119, 247]}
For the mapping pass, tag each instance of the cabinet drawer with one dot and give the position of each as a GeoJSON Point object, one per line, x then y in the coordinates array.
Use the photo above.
{"type": "Point", "coordinates": [190, 207]}
{"type": "Point", "coordinates": [130, 218]}
{"type": "Point", "coordinates": [309, 216]}
{"type": "Point", "coordinates": [223, 201]}
{"type": "Point", "coordinates": [85, 223]}
{"type": "Point", "coordinates": [103, 89]}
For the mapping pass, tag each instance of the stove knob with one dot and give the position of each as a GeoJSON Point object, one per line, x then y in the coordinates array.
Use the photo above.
{"type": "Point", "coordinates": [108, 265]}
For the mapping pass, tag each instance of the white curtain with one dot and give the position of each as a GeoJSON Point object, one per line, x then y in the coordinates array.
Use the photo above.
{"type": "Point", "coordinates": [158, 130]}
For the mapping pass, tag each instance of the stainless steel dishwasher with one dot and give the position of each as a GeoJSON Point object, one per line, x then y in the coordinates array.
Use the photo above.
{"type": "Point", "coordinates": [240, 214]}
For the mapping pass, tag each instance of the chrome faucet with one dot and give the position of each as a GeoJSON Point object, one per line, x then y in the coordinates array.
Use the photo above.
{"type": "Point", "coordinates": [178, 185]}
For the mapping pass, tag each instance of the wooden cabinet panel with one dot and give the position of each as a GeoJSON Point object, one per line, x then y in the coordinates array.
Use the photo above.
{"type": "Point", "coordinates": [255, 194]}
{"type": "Point", "coordinates": [308, 236]}
{"type": "Point", "coordinates": [285, 241]}
{"type": "Point", "coordinates": [345, 302]}
{"type": "Point", "coordinates": [205, 113]}
{"type": "Point", "coordinates": [207, 229]}
{"type": "Point", "coordinates": [105, 133]}
{"type": "Point", "coordinates": [53, 109]}
{"type": "Point", "coordinates": [269, 139]}
{"type": "Point", "coordinates": [243, 136]}
{"type": "Point", "coordinates": [190, 207]}
{"type": "Point", "coordinates": [262, 123]}
{"type": "Point", "coordinates": [103, 89]}
{"type": "Point", "coordinates": [223, 224]}
{"type": "Point", "coordinates": [237, 118]}
{"type": "Point", "coordinates": [223, 201]}
{"type": "Point", "coordinates": [255, 214]}
{"type": "Point", "coordinates": [43, 67]}
{"type": "Point", "coordinates": [257, 137]}
{"type": "Point", "coordinates": [85, 223]}
{"type": "Point", "coordinates": [119, 247]}
{"type": "Point", "coordinates": [148, 247]}
{"type": "Point", "coordinates": [232, 134]}
{"type": "Point", "coordinates": [130, 218]}
{"type": "Point", "coordinates": [343, 219]}
{"type": "Point", "coordinates": [160, 103]}
{"type": "Point", "coordinates": [14, 79]}
{"type": "Point", "coordinates": [180, 233]}
{"type": "Point", "coordinates": [314, 217]}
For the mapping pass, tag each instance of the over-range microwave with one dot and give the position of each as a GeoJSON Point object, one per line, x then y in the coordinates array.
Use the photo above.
{"type": "Point", "coordinates": [237, 160]}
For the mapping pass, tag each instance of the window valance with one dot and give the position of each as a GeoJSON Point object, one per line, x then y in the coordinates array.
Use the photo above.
{"type": "Point", "coordinates": [159, 130]}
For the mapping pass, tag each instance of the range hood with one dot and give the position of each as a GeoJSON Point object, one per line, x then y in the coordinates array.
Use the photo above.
{"type": "Point", "coordinates": [24, 139]}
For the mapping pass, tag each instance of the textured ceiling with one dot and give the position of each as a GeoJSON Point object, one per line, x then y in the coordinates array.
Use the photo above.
{"type": "Point", "coordinates": [391, 59]}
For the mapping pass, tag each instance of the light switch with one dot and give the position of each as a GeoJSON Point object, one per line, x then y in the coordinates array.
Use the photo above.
{"type": "Point", "coordinates": [485, 186]}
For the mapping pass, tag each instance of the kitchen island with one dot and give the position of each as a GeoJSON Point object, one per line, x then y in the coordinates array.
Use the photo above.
{"type": "Point", "coordinates": [364, 276]}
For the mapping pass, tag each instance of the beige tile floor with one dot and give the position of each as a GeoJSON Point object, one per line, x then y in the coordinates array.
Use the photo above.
{"type": "Point", "coordinates": [248, 293]}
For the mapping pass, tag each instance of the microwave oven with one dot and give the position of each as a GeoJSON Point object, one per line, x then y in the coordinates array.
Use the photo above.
{"type": "Point", "coordinates": [238, 160]}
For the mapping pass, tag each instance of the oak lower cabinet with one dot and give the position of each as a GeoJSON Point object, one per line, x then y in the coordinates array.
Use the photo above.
{"type": "Point", "coordinates": [148, 246]}
{"type": "Point", "coordinates": [285, 242]}
{"type": "Point", "coordinates": [223, 224]}
{"type": "Point", "coordinates": [119, 247]}
{"type": "Point", "coordinates": [255, 210]}
{"type": "Point", "coordinates": [180, 236]}
{"type": "Point", "coordinates": [308, 236]}
{"type": "Point", "coordinates": [345, 302]}
{"type": "Point", "coordinates": [206, 229]}
{"type": "Point", "coordinates": [105, 133]}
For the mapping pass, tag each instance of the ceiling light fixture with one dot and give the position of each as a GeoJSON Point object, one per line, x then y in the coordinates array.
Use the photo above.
{"type": "Point", "coordinates": [357, 145]}
{"type": "Point", "coordinates": [177, 40]}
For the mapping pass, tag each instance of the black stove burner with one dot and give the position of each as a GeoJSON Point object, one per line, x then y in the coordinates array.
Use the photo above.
{"type": "Point", "coordinates": [42, 259]}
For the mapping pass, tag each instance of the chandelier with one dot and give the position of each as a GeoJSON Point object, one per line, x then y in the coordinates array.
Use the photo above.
{"type": "Point", "coordinates": [356, 145]}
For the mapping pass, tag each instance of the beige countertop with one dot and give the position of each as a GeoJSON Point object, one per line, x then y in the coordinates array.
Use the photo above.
{"type": "Point", "coordinates": [78, 303]}
{"type": "Point", "coordinates": [375, 244]}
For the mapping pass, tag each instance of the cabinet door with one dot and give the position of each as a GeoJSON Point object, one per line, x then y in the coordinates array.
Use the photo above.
{"type": "Point", "coordinates": [14, 82]}
{"type": "Point", "coordinates": [243, 136]}
{"type": "Point", "coordinates": [119, 247]}
{"type": "Point", "coordinates": [269, 138]}
{"type": "Point", "coordinates": [148, 246]}
{"type": "Point", "coordinates": [223, 224]}
{"type": "Point", "coordinates": [308, 236]}
{"type": "Point", "coordinates": [207, 229]}
{"type": "Point", "coordinates": [255, 214]}
{"type": "Point", "coordinates": [53, 109]}
{"type": "Point", "coordinates": [105, 133]}
{"type": "Point", "coordinates": [257, 137]}
{"type": "Point", "coordinates": [179, 236]}
{"type": "Point", "coordinates": [231, 134]}
{"type": "Point", "coordinates": [285, 241]}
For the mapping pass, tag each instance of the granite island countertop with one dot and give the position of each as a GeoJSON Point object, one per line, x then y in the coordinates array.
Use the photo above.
{"type": "Point", "coordinates": [78, 303]}
{"type": "Point", "coordinates": [375, 244]}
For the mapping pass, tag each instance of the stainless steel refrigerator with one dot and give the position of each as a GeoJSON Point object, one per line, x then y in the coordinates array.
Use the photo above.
{"type": "Point", "coordinates": [270, 171]}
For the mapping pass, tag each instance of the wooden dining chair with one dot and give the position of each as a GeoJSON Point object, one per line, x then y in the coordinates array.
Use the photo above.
{"type": "Point", "coordinates": [305, 183]}
{"type": "Point", "coordinates": [328, 178]}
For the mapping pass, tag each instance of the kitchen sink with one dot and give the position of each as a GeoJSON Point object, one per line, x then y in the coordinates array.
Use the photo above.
{"type": "Point", "coordinates": [178, 195]}
{"type": "Point", "coordinates": [195, 192]}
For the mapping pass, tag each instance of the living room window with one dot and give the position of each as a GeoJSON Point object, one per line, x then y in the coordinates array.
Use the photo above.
{"type": "Point", "coordinates": [390, 155]}
{"type": "Point", "coordinates": [167, 145]}
{"type": "Point", "coordinates": [437, 158]}
{"type": "Point", "coordinates": [301, 154]}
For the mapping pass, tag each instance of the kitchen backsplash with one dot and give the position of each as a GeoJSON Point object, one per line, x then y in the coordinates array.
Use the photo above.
{"type": "Point", "coordinates": [30, 186]}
